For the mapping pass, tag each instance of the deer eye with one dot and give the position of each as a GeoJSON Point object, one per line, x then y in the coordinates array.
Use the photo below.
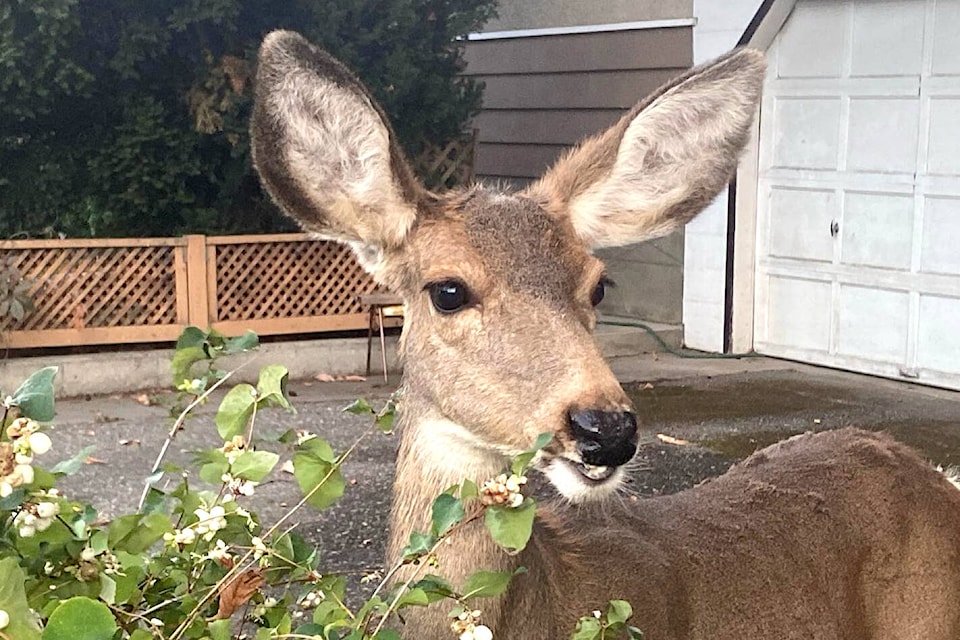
{"type": "Point", "coordinates": [598, 292]}
{"type": "Point", "coordinates": [448, 296]}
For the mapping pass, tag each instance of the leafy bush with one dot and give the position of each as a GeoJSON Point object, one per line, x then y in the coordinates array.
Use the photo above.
{"type": "Point", "coordinates": [194, 562]}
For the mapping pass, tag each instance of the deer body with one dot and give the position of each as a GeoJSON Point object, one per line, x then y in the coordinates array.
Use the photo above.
{"type": "Point", "coordinates": [841, 535]}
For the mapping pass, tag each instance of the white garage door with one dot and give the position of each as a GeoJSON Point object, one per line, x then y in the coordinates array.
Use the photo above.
{"type": "Point", "coordinates": [858, 241]}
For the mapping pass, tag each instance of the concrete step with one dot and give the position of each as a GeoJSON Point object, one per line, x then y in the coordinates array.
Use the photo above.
{"type": "Point", "coordinates": [617, 340]}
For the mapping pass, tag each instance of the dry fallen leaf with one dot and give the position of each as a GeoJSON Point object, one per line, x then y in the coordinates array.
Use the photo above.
{"type": "Point", "coordinates": [671, 440]}
{"type": "Point", "coordinates": [324, 377]}
{"type": "Point", "coordinates": [143, 399]}
{"type": "Point", "coordinates": [354, 378]}
{"type": "Point", "coordinates": [287, 466]}
{"type": "Point", "coordinates": [92, 460]}
{"type": "Point", "coordinates": [125, 442]}
{"type": "Point", "coordinates": [237, 592]}
{"type": "Point", "coordinates": [647, 385]}
{"type": "Point", "coordinates": [90, 432]}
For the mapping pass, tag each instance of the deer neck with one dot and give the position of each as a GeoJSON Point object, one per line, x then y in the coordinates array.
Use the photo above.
{"type": "Point", "coordinates": [434, 455]}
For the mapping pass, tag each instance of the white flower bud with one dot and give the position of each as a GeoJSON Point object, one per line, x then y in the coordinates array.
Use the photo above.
{"type": "Point", "coordinates": [4, 619]}
{"type": "Point", "coordinates": [26, 472]}
{"type": "Point", "coordinates": [482, 632]}
{"type": "Point", "coordinates": [5, 489]}
{"type": "Point", "coordinates": [88, 554]}
{"type": "Point", "coordinates": [22, 458]}
{"type": "Point", "coordinates": [48, 509]}
{"type": "Point", "coordinates": [27, 532]}
{"type": "Point", "coordinates": [40, 443]}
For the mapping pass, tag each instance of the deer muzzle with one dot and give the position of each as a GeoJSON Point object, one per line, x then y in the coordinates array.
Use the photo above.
{"type": "Point", "coordinates": [604, 438]}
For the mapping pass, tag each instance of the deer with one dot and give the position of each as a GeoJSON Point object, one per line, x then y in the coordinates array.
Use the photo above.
{"type": "Point", "coordinates": [843, 534]}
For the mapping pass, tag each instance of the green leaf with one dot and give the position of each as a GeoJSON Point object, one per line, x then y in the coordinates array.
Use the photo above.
{"type": "Point", "coordinates": [520, 462]}
{"type": "Point", "coordinates": [108, 589]}
{"type": "Point", "coordinates": [80, 619]}
{"type": "Point", "coordinates": [588, 628]}
{"type": "Point", "coordinates": [359, 407]}
{"type": "Point", "coordinates": [385, 422]}
{"type": "Point", "coordinates": [254, 465]}
{"type": "Point", "coordinates": [511, 528]}
{"type": "Point", "coordinates": [635, 634]}
{"type": "Point", "coordinates": [310, 471]}
{"type": "Point", "coordinates": [191, 337]}
{"type": "Point", "coordinates": [435, 587]}
{"type": "Point", "coordinates": [420, 544]}
{"type": "Point", "coordinates": [272, 386]}
{"type": "Point", "coordinates": [413, 598]}
{"type": "Point", "coordinates": [35, 395]}
{"type": "Point", "coordinates": [13, 599]}
{"type": "Point", "coordinates": [247, 342]}
{"type": "Point", "coordinates": [447, 511]}
{"type": "Point", "coordinates": [220, 630]}
{"type": "Point", "coordinates": [468, 489]}
{"type": "Point", "coordinates": [319, 448]}
{"type": "Point", "coordinates": [183, 361]}
{"type": "Point", "coordinates": [235, 411]}
{"type": "Point", "coordinates": [486, 584]}
{"type": "Point", "coordinates": [74, 464]}
{"type": "Point", "coordinates": [619, 612]}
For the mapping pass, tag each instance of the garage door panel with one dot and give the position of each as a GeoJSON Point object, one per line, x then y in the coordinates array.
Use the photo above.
{"type": "Point", "coordinates": [887, 38]}
{"type": "Point", "coordinates": [946, 38]}
{"type": "Point", "coordinates": [883, 134]}
{"type": "Point", "coordinates": [877, 230]}
{"type": "Point", "coordinates": [944, 144]}
{"type": "Point", "coordinates": [799, 313]}
{"type": "Point", "coordinates": [940, 252]}
{"type": "Point", "coordinates": [939, 334]}
{"type": "Point", "coordinates": [805, 57]}
{"type": "Point", "coordinates": [807, 133]}
{"type": "Point", "coordinates": [800, 222]}
{"type": "Point", "coordinates": [873, 323]}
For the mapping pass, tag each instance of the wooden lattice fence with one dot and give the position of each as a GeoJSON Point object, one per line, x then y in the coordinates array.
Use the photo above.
{"type": "Point", "coordinates": [146, 290]}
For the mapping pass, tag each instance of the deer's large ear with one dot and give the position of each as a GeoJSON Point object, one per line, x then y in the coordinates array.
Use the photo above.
{"type": "Point", "coordinates": [664, 161]}
{"type": "Point", "coordinates": [325, 150]}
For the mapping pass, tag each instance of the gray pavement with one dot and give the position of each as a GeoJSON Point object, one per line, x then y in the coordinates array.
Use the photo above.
{"type": "Point", "coordinates": [724, 409]}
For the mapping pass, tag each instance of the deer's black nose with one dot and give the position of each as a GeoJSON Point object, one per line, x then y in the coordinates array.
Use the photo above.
{"type": "Point", "coordinates": [605, 438]}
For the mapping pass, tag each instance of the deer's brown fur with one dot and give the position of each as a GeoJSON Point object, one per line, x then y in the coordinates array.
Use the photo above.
{"type": "Point", "coordinates": [841, 535]}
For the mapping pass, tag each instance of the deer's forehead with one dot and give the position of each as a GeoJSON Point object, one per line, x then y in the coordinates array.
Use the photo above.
{"type": "Point", "coordinates": [517, 243]}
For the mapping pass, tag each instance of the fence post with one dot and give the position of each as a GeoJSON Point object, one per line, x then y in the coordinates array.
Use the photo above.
{"type": "Point", "coordinates": [197, 310]}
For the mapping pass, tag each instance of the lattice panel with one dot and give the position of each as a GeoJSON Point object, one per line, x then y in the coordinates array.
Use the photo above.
{"type": "Point", "coordinates": [86, 287]}
{"type": "Point", "coordinates": [446, 167]}
{"type": "Point", "coordinates": [288, 280]}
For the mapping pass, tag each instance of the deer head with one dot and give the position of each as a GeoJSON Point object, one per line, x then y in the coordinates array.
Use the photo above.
{"type": "Point", "coordinates": [500, 287]}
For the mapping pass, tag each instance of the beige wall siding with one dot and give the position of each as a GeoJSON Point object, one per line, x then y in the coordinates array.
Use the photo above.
{"type": "Point", "coordinates": [537, 14]}
{"type": "Point", "coordinates": [545, 93]}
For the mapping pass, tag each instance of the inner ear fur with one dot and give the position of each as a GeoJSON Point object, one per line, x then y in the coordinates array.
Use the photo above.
{"type": "Point", "coordinates": [325, 151]}
{"type": "Point", "coordinates": [664, 161]}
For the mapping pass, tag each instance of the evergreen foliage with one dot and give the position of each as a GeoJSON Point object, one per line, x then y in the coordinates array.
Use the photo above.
{"type": "Point", "coordinates": [130, 118]}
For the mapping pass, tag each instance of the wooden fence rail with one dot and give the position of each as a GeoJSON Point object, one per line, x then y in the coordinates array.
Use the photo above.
{"type": "Point", "coordinates": [115, 291]}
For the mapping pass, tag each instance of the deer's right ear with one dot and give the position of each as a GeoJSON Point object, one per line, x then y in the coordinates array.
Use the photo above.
{"type": "Point", "coordinates": [325, 151]}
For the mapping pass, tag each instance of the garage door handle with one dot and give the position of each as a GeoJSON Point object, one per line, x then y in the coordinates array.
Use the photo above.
{"type": "Point", "coordinates": [834, 228]}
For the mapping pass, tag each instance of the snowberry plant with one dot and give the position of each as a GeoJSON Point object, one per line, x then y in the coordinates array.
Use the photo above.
{"type": "Point", "coordinates": [195, 561]}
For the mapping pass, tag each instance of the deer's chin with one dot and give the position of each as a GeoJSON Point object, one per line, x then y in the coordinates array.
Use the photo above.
{"type": "Point", "coordinates": [579, 482]}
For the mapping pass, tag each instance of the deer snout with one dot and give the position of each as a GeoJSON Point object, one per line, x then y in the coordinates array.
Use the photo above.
{"type": "Point", "coordinates": [604, 438]}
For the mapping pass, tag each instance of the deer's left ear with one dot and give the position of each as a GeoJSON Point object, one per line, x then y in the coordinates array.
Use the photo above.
{"type": "Point", "coordinates": [325, 151]}
{"type": "Point", "coordinates": [664, 161]}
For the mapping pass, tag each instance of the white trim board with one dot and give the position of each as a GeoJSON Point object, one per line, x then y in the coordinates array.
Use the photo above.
{"type": "Point", "coordinates": [586, 28]}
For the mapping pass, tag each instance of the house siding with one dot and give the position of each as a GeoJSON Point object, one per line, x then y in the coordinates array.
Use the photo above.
{"type": "Point", "coordinates": [543, 94]}
{"type": "Point", "coordinates": [538, 14]}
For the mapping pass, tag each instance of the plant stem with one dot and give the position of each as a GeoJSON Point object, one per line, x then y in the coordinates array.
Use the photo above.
{"type": "Point", "coordinates": [176, 427]}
